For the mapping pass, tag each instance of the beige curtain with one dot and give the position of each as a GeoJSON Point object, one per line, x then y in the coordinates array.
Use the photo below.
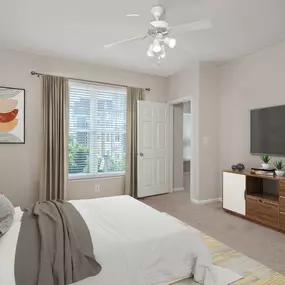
{"type": "Point", "coordinates": [133, 95]}
{"type": "Point", "coordinates": [55, 134]}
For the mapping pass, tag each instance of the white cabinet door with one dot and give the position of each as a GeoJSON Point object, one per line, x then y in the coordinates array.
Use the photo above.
{"type": "Point", "coordinates": [233, 192]}
{"type": "Point", "coordinates": [153, 150]}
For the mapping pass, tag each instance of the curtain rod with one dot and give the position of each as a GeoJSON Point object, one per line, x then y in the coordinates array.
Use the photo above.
{"type": "Point", "coordinates": [77, 79]}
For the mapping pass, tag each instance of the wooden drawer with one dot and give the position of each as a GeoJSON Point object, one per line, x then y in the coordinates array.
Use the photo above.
{"type": "Point", "coordinates": [282, 188]}
{"type": "Point", "coordinates": [282, 220]}
{"type": "Point", "coordinates": [262, 211]}
{"type": "Point", "coordinates": [282, 203]}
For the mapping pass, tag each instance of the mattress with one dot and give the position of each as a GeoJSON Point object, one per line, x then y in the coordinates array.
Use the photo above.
{"type": "Point", "coordinates": [135, 245]}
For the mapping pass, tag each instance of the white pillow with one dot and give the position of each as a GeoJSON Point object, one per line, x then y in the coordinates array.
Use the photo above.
{"type": "Point", "coordinates": [6, 214]}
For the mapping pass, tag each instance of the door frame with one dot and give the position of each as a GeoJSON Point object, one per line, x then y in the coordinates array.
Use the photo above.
{"type": "Point", "coordinates": [171, 144]}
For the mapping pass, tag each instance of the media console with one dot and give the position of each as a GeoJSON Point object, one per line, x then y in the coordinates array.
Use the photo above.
{"type": "Point", "coordinates": [259, 198]}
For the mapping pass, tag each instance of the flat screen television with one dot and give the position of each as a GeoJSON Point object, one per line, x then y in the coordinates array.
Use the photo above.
{"type": "Point", "coordinates": [267, 131]}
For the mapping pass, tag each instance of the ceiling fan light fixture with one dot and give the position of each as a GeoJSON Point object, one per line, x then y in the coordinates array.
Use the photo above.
{"type": "Point", "coordinates": [159, 24]}
{"type": "Point", "coordinates": [133, 15]}
{"type": "Point", "coordinates": [170, 42]}
{"type": "Point", "coordinates": [163, 52]}
{"type": "Point", "coordinates": [156, 46]}
{"type": "Point", "coordinates": [150, 52]}
{"type": "Point", "coordinates": [159, 30]}
{"type": "Point", "coordinates": [157, 12]}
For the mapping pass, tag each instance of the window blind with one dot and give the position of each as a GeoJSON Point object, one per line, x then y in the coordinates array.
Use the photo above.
{"type": "Point", "coordinates": [97, 129]}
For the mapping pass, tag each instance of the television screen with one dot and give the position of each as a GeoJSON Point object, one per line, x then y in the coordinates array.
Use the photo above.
{"type": "Point", "coordinates": [267, 131]}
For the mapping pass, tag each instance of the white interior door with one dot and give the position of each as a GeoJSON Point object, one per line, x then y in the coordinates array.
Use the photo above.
{"type": "Point", "coordinates": [153, 148]}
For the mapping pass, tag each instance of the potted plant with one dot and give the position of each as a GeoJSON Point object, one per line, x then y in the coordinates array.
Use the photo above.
{"type": "Point", "coordinates": [279, 166]}
{"type": "Point", "coordinates": [265, 158]}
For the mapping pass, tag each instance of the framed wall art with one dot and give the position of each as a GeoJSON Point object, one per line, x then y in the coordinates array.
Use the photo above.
{"type": "Point", "coordinates": [12, 115]}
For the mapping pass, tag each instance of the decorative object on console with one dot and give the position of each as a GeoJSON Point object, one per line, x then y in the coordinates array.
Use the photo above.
{"type": "Point", "coordinates": [279, 166]}
{"type": "Point", "coordinates": [270, 171]}
{"type": "Point", "coordinates": [12, 115]}
{"type": "Point", "coordinates": [266, 159]}
{"type": "Point", "coordinates": [240, 167]}
{"type": "Point", "coordinates": [234, 167]}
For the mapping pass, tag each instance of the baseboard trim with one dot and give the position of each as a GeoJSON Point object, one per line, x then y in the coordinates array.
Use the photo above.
{"type": "Point", "coordinates": [205, 202]}
{"type": "Point", "coordinates": [178, 189]}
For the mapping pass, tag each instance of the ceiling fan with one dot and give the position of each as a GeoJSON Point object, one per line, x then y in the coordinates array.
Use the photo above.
{"type": "Point", "coordinates": [162, 34]}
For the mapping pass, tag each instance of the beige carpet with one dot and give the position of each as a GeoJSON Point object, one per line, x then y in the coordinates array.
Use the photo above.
{"type": "Point", "coordinates": [259, 243]}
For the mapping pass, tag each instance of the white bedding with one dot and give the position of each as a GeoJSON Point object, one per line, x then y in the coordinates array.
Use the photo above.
{"type": "Point", "coordinates": [135, 245]}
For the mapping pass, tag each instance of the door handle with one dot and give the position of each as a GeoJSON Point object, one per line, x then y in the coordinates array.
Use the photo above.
{"type": "Point", "coordinates": [141, 154]}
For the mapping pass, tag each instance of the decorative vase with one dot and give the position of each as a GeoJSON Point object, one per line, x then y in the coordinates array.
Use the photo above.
{"type": "Point", "coordinates": [279, 173]}
{"type": "Point", "coordinates": [240, 167]}
{"type": "Point", "coordinates": [265, 165]}
{"type": "Point", "coordinates": [234, 167]}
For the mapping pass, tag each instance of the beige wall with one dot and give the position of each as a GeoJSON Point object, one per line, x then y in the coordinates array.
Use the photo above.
{"type": "Point", "coordinates": [208, 132]}
{"type": "Point", "coordinates": [187, 107]}
{"type": "Point", "coordinates": [200, 83]}
{"type": "Point", "coordinates": [221, 99]}
{"type": "Point", "coordinates": [20, 164]}
{"type": "Point", "coordinates": [178, 146]}
{"type": "Point", "coordinates": [185, 84]}
{"type": "Point", "coordinates": [252, 82]}
{"type": "Point", "coordinates": [85, 189]}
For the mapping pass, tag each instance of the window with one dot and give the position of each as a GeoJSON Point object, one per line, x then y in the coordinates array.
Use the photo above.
{"type": "Point", "coordinates": [97, 129]}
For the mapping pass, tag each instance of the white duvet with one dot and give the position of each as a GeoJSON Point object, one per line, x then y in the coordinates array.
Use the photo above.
{"type": "Point", "coordinates": [135, 245]}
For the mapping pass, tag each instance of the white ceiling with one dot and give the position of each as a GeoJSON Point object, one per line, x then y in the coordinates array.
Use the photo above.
{"type": "Point", "coordinates": [78, 29]}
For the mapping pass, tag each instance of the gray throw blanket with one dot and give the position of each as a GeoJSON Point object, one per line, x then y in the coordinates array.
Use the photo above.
{"type": "Point", "coordinates": [54, 246]}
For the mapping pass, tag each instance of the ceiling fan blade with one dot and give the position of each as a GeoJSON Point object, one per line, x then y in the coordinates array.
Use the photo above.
{"type": "Point", "coordinates": [189, 27]}
{"type": "Point", "coordinates": [126, 41]}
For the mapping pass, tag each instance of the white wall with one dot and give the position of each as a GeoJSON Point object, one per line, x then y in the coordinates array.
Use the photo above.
{"type": "Point", "coordinates": [20, 164]}
{"type": "Point", "coordinates": [178, 147]}
{"type": "Point", "coordinates": [252, 82]}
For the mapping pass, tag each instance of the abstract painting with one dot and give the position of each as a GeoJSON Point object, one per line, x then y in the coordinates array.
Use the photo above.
{"type": "Point", "coordinates": [12, 115]}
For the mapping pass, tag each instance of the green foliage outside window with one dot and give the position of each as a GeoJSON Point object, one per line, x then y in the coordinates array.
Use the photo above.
{"type": "Point", "coordinates": [78, 160]}
{"type": "Point", "coordinates": [78, 157]}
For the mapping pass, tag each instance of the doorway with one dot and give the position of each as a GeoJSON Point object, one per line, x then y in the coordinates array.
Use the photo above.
{"type": "Point", "coordinates": [182, 130]}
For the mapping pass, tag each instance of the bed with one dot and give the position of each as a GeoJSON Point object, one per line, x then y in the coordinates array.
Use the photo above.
{"type": "Point", "coordinates": [135, 245]}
